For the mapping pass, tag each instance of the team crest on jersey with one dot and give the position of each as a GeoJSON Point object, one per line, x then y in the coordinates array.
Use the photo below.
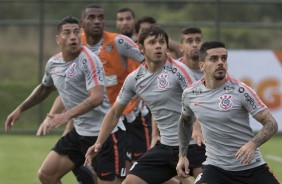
{"type": "Point", "coordinates": [71, 71]}
{"type": "Point", "coordinates": [163, 81]}
{"type": "Point", "coordinates": [225, 102]}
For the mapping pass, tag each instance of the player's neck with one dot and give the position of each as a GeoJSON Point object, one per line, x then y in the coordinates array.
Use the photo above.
{"type": "Point", "coordinates": [67, 56]}
{"type": "Point", "coordinates": [93, 39]}
{"type": "Point", "coordinates": [212, 83]}
{"type": "Point", "coordinates": [154, 66]}
{"type": "Point", "coordinates": [192, 64]}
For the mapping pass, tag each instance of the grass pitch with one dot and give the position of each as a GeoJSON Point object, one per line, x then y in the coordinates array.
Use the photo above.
{"type": "Point", "coordinates": [22, 155]}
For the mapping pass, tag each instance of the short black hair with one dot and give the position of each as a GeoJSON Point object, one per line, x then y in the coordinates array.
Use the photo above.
{"type": "Point", "coordinates": [207, 46]}
{"type": "Point", "coordinates": [89, 6]}
{"type": "Point", "coordinates": [190, 30]}
{"type": "Point", "coordinates": [148, 19]}
{"type": "Point", "coordinates": [126, 10]}
{"type": "Point", "coordinates": [154, 30]}
{"type": "Point", "coordinates": [67, 20]}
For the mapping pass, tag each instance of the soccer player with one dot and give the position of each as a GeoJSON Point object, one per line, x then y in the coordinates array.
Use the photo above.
{"type": "Point", "coordinates": [146, 22]}
{"type": "Point", "coordinates": [160, 82]}
{"type": "Point", "coordinates": [138, 121]}
{"type": "Point", "coordinates": [125, 23]}
{"type": "Point", "coordinates": [78, 75]}
{"type": "Point", "coordinates": [190, 43]}
{"type": "Point", "coordinates": [222, 104]}
{"type": "Point", "coordinates": [114, 50]}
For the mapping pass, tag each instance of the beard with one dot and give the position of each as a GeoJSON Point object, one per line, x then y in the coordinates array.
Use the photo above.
{"type": "Point", "coordinates": [220, 76]}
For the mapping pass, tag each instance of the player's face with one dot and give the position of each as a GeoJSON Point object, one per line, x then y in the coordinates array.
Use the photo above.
{"type": "Point", "coordinates": [190, 45]}
{"type": "Point", "coordinates": [155, 48]}
{"type": "Point", "coordinates": [125, 23]}
{"type": "Point", "coordinates": [215, 65]}
{"type": "Point", "coordinates": [69, 38]}
{"type": "Point", "coordinates": [93, 22]}
{"type": "Point", "coordinates": [143, 26]}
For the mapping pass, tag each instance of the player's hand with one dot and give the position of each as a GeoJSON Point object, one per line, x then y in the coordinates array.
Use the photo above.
{"type": "Point", "coordinates": [44, 127]}
{"type": "Point", "coordinates": [246, 153]}
{"type": "Point", "coordinates": [182, 167]}
{"type": "Point", "coordinates": [154, 140]}
{"type": "Point", "coordinates": [91, 153]}
{"type": "Point", "coordinates": [11, 119]}
{"type": "Point", "coordinates": [58, 119]}
{"type": "Point", "coordinates": [197, 133]}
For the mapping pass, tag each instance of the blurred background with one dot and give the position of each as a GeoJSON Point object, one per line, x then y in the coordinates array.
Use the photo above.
{"type": "Point", "coordinates": [28, 29]}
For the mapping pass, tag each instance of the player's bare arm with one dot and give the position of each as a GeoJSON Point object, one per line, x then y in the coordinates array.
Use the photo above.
{"type": "Point", "coordinates": [245, 153]}
{"type": "Point", "coordinates": [37, 96]}
{"type": "Point", "coordinates": [269, 128]}
{"type": "Point", "coordinates": [185, 128]}
{"type": "Point", "coordinates": [95, 98]}
{"type": "Point", "coordinates": [185, 133]}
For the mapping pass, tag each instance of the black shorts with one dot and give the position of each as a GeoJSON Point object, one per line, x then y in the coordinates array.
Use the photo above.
{"type": "Point", "coordinates": [157, 165]}
{"type": "Point", "coordinates": [215, 175]}
{"type": "Point", "coordinates": [75, 146]}
{"type": "Point", "coordinates": [138, 136]}
{"type": "Point", "coordinates": [196, 156]}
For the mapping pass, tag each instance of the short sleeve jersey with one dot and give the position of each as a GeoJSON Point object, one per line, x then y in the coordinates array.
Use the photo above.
{"type": "Point", "coordinates": [161, 91]}
{"type": "Point", "coordinates": [73, 79]}
{"type": "Point", "coordinates": [224, 116]}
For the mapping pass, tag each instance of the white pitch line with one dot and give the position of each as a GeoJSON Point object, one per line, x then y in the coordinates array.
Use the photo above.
{"type": "Point", "coordinates": [274, 158]}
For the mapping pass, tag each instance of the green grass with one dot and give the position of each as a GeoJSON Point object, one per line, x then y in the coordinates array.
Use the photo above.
{"type": "Point", "coordinates": [22, 155]}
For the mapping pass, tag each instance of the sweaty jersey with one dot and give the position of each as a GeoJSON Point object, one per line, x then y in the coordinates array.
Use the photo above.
{"type": "Point", "coordinates": [161, 91]}
{"type": "Point", "coordinates": [73, 79]}
{"type": "Point", "coordinates": [224, 116]}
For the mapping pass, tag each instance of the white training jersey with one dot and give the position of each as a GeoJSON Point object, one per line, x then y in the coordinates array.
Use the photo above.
{"type": "Point", "coordinates": [161, 91]}
{"type": "Point", "coordinates": [224, 116]}
{"type": "Point", "coordinates": [73, 79]}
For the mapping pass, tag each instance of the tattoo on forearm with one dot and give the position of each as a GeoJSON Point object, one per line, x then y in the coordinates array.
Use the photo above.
{"type": "Point", "coordinates": [269, 129]}
{"type": "Point", "coordinates": [185, 132]}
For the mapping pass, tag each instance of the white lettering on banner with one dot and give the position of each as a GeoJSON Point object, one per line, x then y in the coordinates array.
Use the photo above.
{"type": "Point", "coordinates": [261, 70]}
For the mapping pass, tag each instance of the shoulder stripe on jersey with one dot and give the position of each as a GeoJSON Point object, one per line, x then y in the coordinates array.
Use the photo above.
{"type": "Point", "coordinates": [93, 67]}
{"type": "Point", "coordinates": [249, 90]}
{"type": "Point", "coordinates": [129, 40]}
{"type": "Point", "coordinates": [186, 74]}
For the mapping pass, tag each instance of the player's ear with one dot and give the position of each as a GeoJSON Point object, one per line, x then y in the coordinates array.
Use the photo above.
{"type": "Point", "coordinates": [141, 48]}
{"type": "Point", "coordinates": [58, 40]}
{"type": "Point", "coordinates": [201, 63]}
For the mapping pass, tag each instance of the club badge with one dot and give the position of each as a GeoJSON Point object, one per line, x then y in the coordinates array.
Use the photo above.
{"type": "Point", "coordinates": [163, 81]}
{"type": "Point", "coordinates": [225, 102]}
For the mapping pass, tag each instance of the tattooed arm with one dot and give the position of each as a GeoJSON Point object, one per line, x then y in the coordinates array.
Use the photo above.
{"type": "Point", "coordinates": [246, 152]}
{"type": "Point", "coordinates": [269, 128]}
{"type": "Point", "coordinates": [185, 128]}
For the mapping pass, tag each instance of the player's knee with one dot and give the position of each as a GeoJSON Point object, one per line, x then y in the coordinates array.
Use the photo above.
{"type": "Point", "coordinates": [43, 177]}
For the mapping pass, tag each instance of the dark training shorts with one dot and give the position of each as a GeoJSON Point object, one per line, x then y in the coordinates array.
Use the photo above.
{"type": "Point", "coordinates": [75, 147]}
{"type": "Point", "coordinates": [157, 165]}
{"type": "Point", "coordinates": [138, 136]}
{"type": "Point", "coordinates": [215, 175]}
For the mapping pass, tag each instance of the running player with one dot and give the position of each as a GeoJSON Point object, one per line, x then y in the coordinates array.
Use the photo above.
{"type": "Point", "coordinates": [223, 104]}
{"type": "Point", "coordinates": [78, 75]}
{"type": "Point", "coordinates": [160, 82]}
{"type": "Point", "coordinates": [137, 122]}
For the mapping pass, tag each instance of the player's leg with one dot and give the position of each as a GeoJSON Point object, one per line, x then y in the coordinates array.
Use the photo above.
{"type": "Point", "coordinates": [54, 167]}
{"type": "Point", "coordinates": [84, 175]}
